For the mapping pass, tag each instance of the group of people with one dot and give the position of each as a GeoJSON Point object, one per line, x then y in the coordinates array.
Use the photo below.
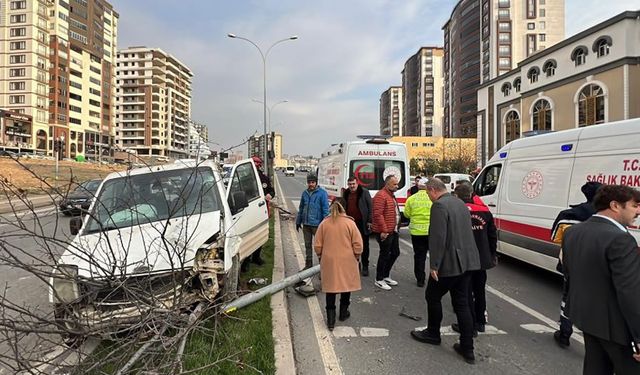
{"type": "Point", "coordinates": [599, 259]}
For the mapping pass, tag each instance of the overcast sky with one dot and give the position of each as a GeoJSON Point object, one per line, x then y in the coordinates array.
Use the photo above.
{"type": "Point", "coordinates": [347, 53]}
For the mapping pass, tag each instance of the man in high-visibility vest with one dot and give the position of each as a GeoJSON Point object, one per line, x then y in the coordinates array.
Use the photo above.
{"type": "Point", "coordinates": [418, 210]}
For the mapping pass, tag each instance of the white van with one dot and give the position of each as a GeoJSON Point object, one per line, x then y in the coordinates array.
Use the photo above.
{"type": "Point", "coordinates": [528, 181]}
{"type": "Point", "coordinates": [370, 160]}
{"type": "Point", "coordinates": [451, 179]}
{"type": "Point", "coordinates": [290, 171]}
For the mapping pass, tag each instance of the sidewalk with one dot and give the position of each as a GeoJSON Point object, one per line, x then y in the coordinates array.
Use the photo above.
{"type": "Point", "coordinates": [32, 201]}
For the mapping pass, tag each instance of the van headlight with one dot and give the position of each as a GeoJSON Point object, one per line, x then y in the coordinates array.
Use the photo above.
{"type": "Point", "coordinates": [65, 285]}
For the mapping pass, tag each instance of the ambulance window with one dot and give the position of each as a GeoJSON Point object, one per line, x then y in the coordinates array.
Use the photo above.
{"type": "Point", "coordinates": [371, 173]}
{"type": "Point", "coordinates": [487, 182]}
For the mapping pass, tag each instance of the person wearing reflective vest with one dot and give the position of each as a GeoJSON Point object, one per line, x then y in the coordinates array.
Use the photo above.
{"type": "Point", "coordinates": [418, 210]}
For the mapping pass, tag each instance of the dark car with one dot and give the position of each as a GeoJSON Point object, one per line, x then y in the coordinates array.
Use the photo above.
{"type": "Point", "coordinates": [79, 200]}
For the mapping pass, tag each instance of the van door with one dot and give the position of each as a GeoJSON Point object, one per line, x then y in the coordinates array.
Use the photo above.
{"type": "Point", "coordinates": [486, 186]}
{"type": "Point", "coordinates": [248, 207]}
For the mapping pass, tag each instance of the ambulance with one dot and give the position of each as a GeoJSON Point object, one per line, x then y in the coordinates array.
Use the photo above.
{"type": "Point", "coordinates": [530, 180]}
{"type": "Point", "coordinates": [370, 160]}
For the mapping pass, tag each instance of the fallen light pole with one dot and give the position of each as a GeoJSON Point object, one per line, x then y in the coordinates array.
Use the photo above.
{"type": "Point", "coordinates": [268, 290]}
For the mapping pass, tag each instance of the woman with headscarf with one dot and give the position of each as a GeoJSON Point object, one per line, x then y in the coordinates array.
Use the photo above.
{"type": "Point", "coordinates": [338, 244]}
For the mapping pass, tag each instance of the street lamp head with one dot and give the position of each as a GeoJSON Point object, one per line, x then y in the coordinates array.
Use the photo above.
{"type": "Point", "coordinates": [293, 37]}
{"type": "Point", "coordinates": [230, 35]}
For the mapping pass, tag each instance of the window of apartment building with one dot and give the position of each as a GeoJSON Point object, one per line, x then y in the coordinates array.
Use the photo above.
{"type": "Point", "coordinates": [533, 74]}
{"type": "Point", "coordinates": [77, 24]}
{"type": "Point", "coordinates": [16, 46]}
{"type": "Point", "coordinates": [542, 25]}
{"type": "Point", "coordinates": [504, 3]}
{"type": "Point", "coordinates": [75, 96]}
{"type": "Point", "coordinates": [18, 18]}
{"type": "Point", "coordinates": [579, 55]}
{"type": "Point", "coordinates": [75, 84]}
{"type": "Point", "coordinates": [541, 2]}
{"type": "Point", "coordinates": [541, 13]}
{"type": "Point", "coordinates": [591, 108]}
{"type": "Point", "coordinates": [75, 121]}
{"type": "Point", "coordinates": [506, 89]}
{"type": "Point", "coordinates": [541, 115]}
{"type": "Point", "coordinates": [504, 63]}
{"type": "Point", "coordinates": [94, 114]}
{"type": "Point", "coordinates": [601, 46]}
{"type": "Point", "coordinates": [516, 84]}
{"type": "Point", "coordinates": [504, 26]}
{"type": "Point", "coordinates": [531, 44]}
{"type": "Point", "coordinates": [542, 37]}
{"type": "Point", "coordinates": [504, 37]}
{"type": "Point", "coordinates": [17, 59]}
{"type": "Point", "coordinates": [97, 81]}
{"type": "Point", "coordinates": [95, 70]}
{"type": "Point", "coordinates": [549, 68]}
{"type": "Point", "coordinates": [94, 91]}
{"type": "Point", "coordinates": [18, 31]}
{"type": "Point", "coordinates": [94, 103]}
{"type": "Point", "coordinates": [16, 99]}
{"type": "Point", "coordinates": [78, 37]}
{"type": "Point", "coordinates": [504, 50]}
{"type": "Point", "coordinates": [511, 126]}
{"type": "Point", "coordinates": [75, 109]}
{"type": "Point", "coordinates": [16, 86]}
{"type": "Point", "coordinates": [531, 26]}
{"type": "Point", "coordinates": [18, 5]}
{"type": "Point", "coordinates": [41, 116]}
{"type": "Point", "coordinates": [19, 72]}
{"type": "Point", "coordinates": [503, 14]}
{"type": "Point", "coordinates": [531, 8]}
{"type": "Point", "coordinates": [41, 102]}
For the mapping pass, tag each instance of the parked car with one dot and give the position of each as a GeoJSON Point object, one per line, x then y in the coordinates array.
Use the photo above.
{"type": "Point", "coordinates": [156, 239]}
{"type": "Point", "coordinates": [79, 200]}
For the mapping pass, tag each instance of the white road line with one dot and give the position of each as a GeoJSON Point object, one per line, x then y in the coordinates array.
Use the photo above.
{"type": "Point", "coordinates": [374, 332]}
{"type": "Point", "coordinates": [407, 243]}
{"type": "Point", "coordinates": [550, 322]}
{"type": "Point", "coordinates": [448, 331]}
{"type": "Point", "coordinates": [295, 203]}
{"type": "Point", "coordinates": [342, 331]}
{"type": "Point", "coordinates": [323, 336]}
{"type": "Point", "coordinates": [537, 328]}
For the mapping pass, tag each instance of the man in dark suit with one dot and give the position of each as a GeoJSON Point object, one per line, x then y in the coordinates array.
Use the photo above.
{"type": "Point", "coordinates": [602, 265]}
{"type": "Point", "coordinates": [453, 253]}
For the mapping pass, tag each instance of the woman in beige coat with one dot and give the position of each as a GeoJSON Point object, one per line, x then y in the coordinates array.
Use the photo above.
{"type": "Point", "coordinates": [338, 244]}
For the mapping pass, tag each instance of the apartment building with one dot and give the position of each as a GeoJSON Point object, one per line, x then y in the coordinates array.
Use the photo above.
{"type": "Point", "coordinates": [486, 38]}
{"type": "Point", "coordinates": [56, 69]}
{"type": "Point", "coordinates": [590, 78]}
{"type": "Point", "coordinates": [391, 111]}
{"type": "Point", "coordinates": [153, 103]}
{"type": "Point", "coordinates": [198, 141]}
{"type": "Point", "coordinates": [422, 93]}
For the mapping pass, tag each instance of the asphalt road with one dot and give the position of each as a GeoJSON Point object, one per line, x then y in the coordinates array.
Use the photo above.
{"type": "Point", "coordinates": [522, 305]}
{"type": "Point", "coordinates": [29, 239]}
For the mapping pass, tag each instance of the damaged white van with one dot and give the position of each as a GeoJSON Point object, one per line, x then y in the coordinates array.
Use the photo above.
{"type": "Point", "coordinates": [158, 238]}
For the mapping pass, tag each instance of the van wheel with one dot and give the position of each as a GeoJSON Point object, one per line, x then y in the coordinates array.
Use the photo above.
{"type": "Point", "coordinates": [231, 281]}
{"type": "Point", "coordinates": [66, 318]}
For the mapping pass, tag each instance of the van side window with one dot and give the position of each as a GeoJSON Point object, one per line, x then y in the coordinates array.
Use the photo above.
{"type": "Point", "coordinates": [244, 180]}
{"type": "Point", "coordinates": [487, 182]}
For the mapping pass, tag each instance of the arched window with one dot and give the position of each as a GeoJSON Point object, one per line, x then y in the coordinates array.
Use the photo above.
{"type": "Point", "coordinates": [601, 45]}
{"type": "Point", "coordinates": [511, 126]}
{"type": "Point", "coordinates": [506, 89]}
{"type": "Point", "coordinates": [41, 137]}
{"type": "Point", "coordinates": [579, 55]}
{"type": "Point", "coordinates": [541, 115]}
{"type": "Point", "coordinates": [533, 74]}
{"type": "Point", "coordinates": [549, 67]}
{"type": "Point", "coordinates": [591, 105]}
{"type": "Point", "coordinates": [516, 84]}
{"type": "Point", "coordinates": [73, 150]}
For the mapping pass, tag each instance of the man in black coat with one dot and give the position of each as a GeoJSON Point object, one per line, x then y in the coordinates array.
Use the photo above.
{"type": "Point", "coordinates": [359, 208]}
{"type": "Point", "coordinates": [453, 253]}
{"type": "Point", "coordinates": [602, 265]}
{"type": "Point", "coordinates": [566, 218]}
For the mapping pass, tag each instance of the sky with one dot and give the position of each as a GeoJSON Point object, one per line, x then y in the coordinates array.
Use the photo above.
{"type": "Point", "coordinates": [347, 53]}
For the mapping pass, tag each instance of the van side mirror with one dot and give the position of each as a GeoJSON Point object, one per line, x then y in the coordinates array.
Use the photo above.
{"type": "Point", "coordinates": [238, 202]}
{"type": "Point", "coordinates": [75, 224]}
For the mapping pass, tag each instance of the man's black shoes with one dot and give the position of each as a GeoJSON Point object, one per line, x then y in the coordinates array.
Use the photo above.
{"type": "Point", "coordinates": [420, 283]}
{"type": "Point", "coordinates": [561, 340]}
{"type": "Point", "coordinates": [468, 356]}
{"type": "Point", "coordinates": [426, 337]}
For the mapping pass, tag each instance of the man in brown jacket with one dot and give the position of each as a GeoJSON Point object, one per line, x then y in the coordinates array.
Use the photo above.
{"type": "Point", "coordinates": [385, 221]}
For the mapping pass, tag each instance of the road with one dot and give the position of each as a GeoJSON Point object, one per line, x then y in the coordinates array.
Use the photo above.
{"type": "Point", "coordinates": [522, 305]}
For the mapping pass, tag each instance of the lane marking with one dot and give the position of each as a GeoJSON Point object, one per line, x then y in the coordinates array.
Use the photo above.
{"type": "Point", "coordinates": [295, 203]}
{"type": "Point", "coordinates": [342, 331]}
{"type": "Point", "coordinates": [373, 332]}
{"type": "Point", "coordinates": [549, 322]}
{"type": "Point", "coordinates": [323, 335]}
{"type": "Point", "coordinates": [537, 328]}
{"type": "Point", "coordinates": [448, 331]}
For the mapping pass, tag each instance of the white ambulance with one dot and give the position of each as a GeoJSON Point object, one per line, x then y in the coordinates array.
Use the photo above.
{"type": "Point", "coordinates": [530, 180]}
{"type": "Point", "coordinates": [370, 159]}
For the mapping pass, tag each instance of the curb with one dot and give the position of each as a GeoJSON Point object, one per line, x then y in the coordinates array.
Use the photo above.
{"type": "Point", "coordinates": [18, 204]}
{"type": "Point", "coordinates": [281, 331]}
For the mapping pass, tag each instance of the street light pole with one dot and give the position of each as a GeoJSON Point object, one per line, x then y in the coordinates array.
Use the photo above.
{"type": "Point", "coordinates": [264, 87]}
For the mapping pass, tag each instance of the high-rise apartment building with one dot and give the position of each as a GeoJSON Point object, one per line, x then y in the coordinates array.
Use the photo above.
{"type": "Point", "coordinates": [56, 61]}
{"type": "Point", "coordinates": [198, 141]}
{"type": "Point", "coordinates": [153, 102]}
{"type": "Point", "coordinates": [486, 38]}
{"type": "Point", "coordinates": [391, 111]}
{"type": "Point", "coordinates": [422, 93]}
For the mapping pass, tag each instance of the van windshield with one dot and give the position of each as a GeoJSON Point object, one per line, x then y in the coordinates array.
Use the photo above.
{"type": "Point", "coordinates": [149, 197]}
{"type": "Point", "coordinates": [371, 173]}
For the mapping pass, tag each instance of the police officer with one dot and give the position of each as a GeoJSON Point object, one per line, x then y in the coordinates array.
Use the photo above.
{"type": "Point", "coordinates": [269, 193]}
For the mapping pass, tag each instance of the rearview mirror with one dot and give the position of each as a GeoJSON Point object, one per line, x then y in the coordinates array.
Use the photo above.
{"type": "Point", "coordinates": [238, 202]}
{"type": "Point", "coordinates": [75, 224]}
